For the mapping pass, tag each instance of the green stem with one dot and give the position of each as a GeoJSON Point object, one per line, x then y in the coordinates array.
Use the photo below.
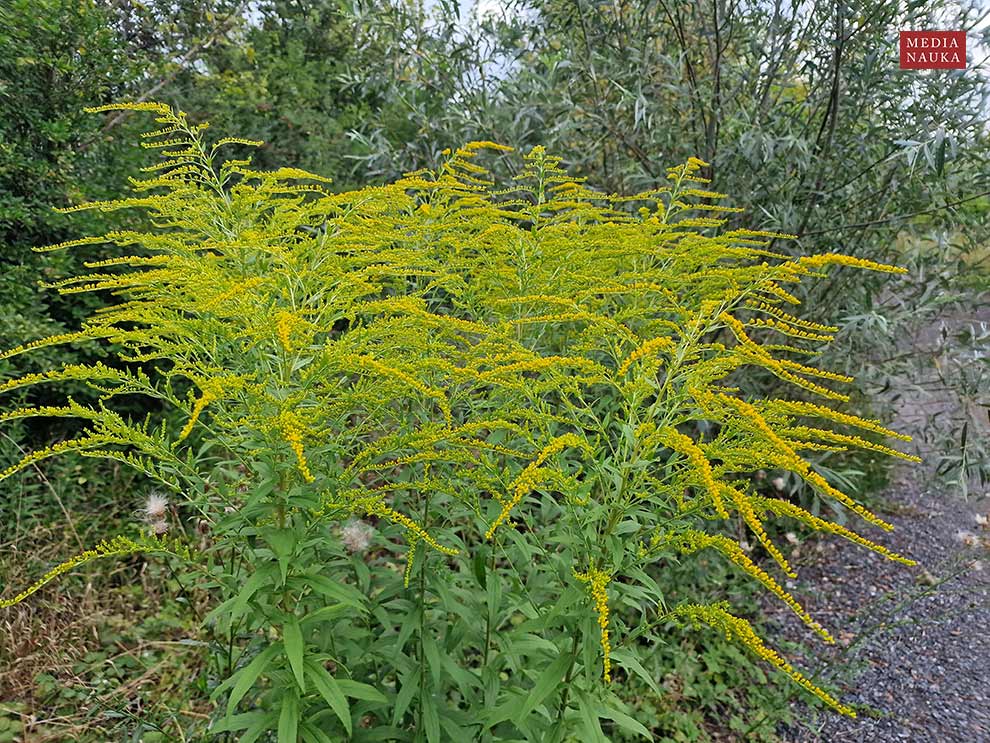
{"type": "Point", "coordinates": [488, 617]}
{"type": "Point", "coordinates": [567, 681]}
{"type": "Point", "coordinates": [422, 617]}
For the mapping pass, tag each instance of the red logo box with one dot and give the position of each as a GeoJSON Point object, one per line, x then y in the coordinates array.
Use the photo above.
{"type": "Point", "coordinates": [933, 50]}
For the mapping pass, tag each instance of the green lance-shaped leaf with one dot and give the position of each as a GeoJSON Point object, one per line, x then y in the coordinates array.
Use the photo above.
{"type": "Point", "coordinates": [330, 690]}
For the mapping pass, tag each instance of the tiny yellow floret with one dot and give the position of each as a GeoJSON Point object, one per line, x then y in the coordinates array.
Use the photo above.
{"type": "Point", "coordinates": [598, 581]}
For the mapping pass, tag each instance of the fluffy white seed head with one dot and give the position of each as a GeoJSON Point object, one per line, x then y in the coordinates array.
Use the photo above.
{"type": "Point", "coordinates": [356, 535]}
{"type": "Point", "coordinates": [155, 507]}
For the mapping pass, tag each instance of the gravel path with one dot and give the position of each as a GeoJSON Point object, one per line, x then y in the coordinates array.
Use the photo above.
{"type": "Point", "coordinates": [913, 644]}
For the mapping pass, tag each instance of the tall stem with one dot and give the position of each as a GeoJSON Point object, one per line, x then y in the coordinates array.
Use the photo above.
{"type": "Point", "coordinates": [422, 615]}
{"type": "Point", "coordinates": [488, 614]}
{"type": "Point", "coordinates": [567, 681]}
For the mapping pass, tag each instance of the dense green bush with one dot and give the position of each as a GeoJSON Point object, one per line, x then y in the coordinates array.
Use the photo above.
{"type": "Point", "coordinates": [527, 395]}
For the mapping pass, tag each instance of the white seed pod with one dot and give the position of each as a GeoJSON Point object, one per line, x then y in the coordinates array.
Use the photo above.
{"type": "Point", "coordinates": [356, 535]}
{"type": "Point", "coordinates": [155, 507]}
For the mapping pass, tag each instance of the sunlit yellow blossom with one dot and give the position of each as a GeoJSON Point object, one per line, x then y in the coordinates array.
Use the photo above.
{"type": "Point", "coordinates": [745, 509]}
{"type": "Point", "coordinates": [787, 457]}
{"type": "Point", "coordinates": [598, 581]}
{"type": "Point", "coordinates": [783, 508]}
{"type": "Point", "coordinates": [683, 444]}
{"type": "Point", "coordinates": [377, 507]}
{"type": "Point", "coordinates": [531, 476]}
{"type": "Point", "coordinates": [116, 547]}
{"type": "Point", "coordinates": [291, 429]}
{"type": "Point", "coordinates": [207, 396]}
{"type": "Point", "coordinates": [647, 348]}
{"type": "Point", "coordinates": [692, 540]}
{"type": "Point", "coordinates": [739, 629]}
{"type": "Point", "coordinates": [410, 558]}
{"type": "Point", "coordinates": [788, 318]}
{"type": "Point", "coordinates": [284, 323]}
{"type": "Point", "coordinates": [838, 259]}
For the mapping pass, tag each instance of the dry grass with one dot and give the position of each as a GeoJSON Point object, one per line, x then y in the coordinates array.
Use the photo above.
{"type": "Point", "coordinates": [86, 657]}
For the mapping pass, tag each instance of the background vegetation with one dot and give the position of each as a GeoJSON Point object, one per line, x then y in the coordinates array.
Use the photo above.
{"type": "Point", "coordinates": [800, 110]}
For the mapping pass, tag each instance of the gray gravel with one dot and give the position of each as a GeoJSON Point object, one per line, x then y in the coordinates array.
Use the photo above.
{"type": "Point", "coordinates": [913, 644]}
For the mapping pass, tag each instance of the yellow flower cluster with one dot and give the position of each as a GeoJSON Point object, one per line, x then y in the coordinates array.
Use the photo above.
{"type": "Point", "coordinates": [208, 395]}
{"type": "Point", "coordinates": [776, 290]}
{"type": "Point", "coordinates": [410, 558]}
{"type": "Point", "coordinates": [531, 476]}
{"type": "Point", "coordinates": [546, 304]}
{"type": "Point", "coordinates": [783, 368]}
{"type": "Point", "coordinates": [686, 172]}
{"type": "Point", "coordinates": [692, 540]}
{"type": "Point", "coordinates": [784, 454]}
{"type": "Point", "coordinates": [79, 444]}
{"type": "Point", "coordinates": [736, 628]}
{"type": "Point", "coordinates": [745, 508]}
{"type": "Point", "coordinates": [484, 144]}
{"type": "Point", "coordinates": [647, 348]}
{"type": "Point", "coordinates": [789, 319]}
{"type": "Point", "coordinates": [791, 330]}
{"type": "Point", "coordinates": [239, 289]}
{"type": "Point", "coordinates": [683, 444]}
{"type": "Point", "coordinates": [542, 363]}
{"type": "Point", "coordinates": [847, 439]}
{"type": "Point", "coordinates": [377, 507]}
{"type": "Point", "coordinates": [783, 508]}
{"type": "Point", "coordinates": [536, 298]}
{"type": "Point", "coordinates": [52, 340]}
{"type": "Point", "coordinates": [598, 581]}
{"type": "Point", "coordinates": [284, 322]}
{"type": "Point", "coordinates": [800, 407]}
{"type": "Point", "coordinates": [365, 362]}
{"type": "Point", "coordinates": [162, 109]}
{"type": "Point", "coordinates": [824, 259]}
{"type": "Point", "coordinates": [291, 428]}
{"type": "Point", "coordinates": [93, 372]}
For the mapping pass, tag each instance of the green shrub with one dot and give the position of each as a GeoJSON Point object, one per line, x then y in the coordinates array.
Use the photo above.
{"type": "Point", "coordinates": [445, 439]}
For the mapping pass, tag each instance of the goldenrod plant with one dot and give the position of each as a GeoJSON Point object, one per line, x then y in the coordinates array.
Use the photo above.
{"type": "Point", "coordinates": [445, 436]}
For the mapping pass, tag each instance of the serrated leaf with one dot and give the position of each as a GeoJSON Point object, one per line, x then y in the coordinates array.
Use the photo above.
{"type": "Point", "coordinates": [330, 690]}
{"type": "Point", "coordinates": [549, 680]}
{"type": "Point", "coordinates": [288, 719]}
{"type": "Point", "coordinates": [357, 690]}
{"type": "Point", "coordinates": [246, 677]}
{"type": "Point", "coordinates": [294, 650]}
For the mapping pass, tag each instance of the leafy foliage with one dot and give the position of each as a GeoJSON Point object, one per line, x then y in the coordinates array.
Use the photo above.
{"type": "Point", "coordinates": [538, 377]}
{"type": "Point", "coordinates": [55, 57]}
